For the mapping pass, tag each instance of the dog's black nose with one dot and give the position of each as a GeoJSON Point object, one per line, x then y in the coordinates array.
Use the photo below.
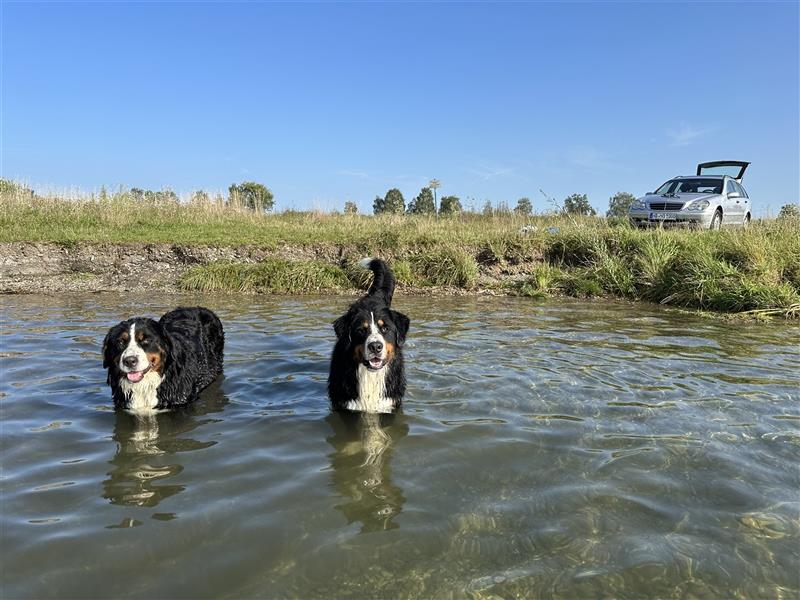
{"type": "Point", "coordinates": [130, 361]}
{"type": "Point", "coordinates": [375, 347]}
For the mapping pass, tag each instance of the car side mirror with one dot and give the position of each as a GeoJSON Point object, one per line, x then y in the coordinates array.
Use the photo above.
{"type": "Point", "coordinates": [734, 195]}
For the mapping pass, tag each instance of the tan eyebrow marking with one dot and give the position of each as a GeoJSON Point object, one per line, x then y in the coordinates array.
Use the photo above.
{"type": "Point", "coordinates": [381, 323]}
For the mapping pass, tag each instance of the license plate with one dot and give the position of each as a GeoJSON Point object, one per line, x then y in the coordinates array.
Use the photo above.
{"type": "Point", "coordinates": [660, 216]}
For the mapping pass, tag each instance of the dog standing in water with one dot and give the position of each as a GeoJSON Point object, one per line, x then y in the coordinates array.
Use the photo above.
{"type": "Point", "coordinates": [367, 373]}
{"type": "Point", "coordinates": [157, 365]}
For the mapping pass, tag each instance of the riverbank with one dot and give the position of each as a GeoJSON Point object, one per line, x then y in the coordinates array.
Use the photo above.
{"type": "Point", "coordinates": [569, 266]}
{"type": "Point", "coordinates": [55, 245]}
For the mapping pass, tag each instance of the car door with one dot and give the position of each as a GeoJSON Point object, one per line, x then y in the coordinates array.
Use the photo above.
{"type": "Point", "coordinates": [746, 207]}
{"type": "Point", "coordinates": [735, 205]}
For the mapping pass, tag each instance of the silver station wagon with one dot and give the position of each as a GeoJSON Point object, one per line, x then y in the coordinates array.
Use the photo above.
{"type": "Point", "coordinates": [712, 198]}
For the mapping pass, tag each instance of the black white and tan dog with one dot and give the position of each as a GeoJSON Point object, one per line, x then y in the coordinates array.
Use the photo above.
{"type": "Point", "coordinates": [367, 364]}
{"type": "Point", "coordinates": [158, 365]}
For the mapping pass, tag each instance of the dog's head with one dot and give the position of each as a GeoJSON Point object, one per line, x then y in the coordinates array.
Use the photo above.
{"type": "Point", "coordinates": [134, 348]}
{"type": "Point", "coordinates": [372, 332]}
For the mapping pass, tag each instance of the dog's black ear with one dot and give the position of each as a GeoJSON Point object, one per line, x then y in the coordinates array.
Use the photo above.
{"type": "Point", "coordinates": [402, 323]}
{"type": "Point", "coordinates": [111, 333]}
{"type": "Point", "coordinates": [165, 342]}
{"type": "Point", "coordinates": [341, 325]}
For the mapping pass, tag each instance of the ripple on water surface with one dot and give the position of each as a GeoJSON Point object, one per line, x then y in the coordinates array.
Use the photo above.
{"type": "Point", "coordinates": [558, 449]}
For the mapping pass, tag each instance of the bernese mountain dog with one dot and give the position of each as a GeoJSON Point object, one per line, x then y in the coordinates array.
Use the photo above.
{"type": "Point", "coordinates": [159, 365]}
{"type": "Point", "coordinates": [366, 372]}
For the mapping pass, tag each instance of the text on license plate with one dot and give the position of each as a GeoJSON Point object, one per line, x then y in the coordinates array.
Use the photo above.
{"type": "Point", "coordinates": [660, 216]}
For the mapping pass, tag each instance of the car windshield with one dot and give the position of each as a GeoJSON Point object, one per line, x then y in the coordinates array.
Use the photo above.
{"type": "Point", "coordinates": [696, 185]}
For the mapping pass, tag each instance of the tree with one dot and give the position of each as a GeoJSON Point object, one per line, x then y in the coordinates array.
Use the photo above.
{"type": "Point", "coordinates": [789, 211]}
{"type": "Point", "coordinates": [578, 204]}
{"type": "Point", "coordinates": [9, 187]}
{"type": "Point", "coordinates": [166, 195]}
{"type": "Point", "coordinates": [200, 197]}
{"type": "Point", "coordinates": [423, 204]}
{"type": "Point", "coordinates": [619, 204]}
{"type": "Point", "coordinates": [393, 202]}
{"type": "Point", "coordinates": [501, 208]}
{"type": "Point", "coordinates": [350, 208]}
{"type": "Point", "coordinates": [154, 197]}
{"type": "Point", "coordinates": [252, 195]}
{"type": "Point", "coordinates": [524, 207]}
{"type": "Point", "coordinates": [450, 205]}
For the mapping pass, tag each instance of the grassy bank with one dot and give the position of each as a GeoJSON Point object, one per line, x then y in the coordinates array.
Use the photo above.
{"type": "Point", "coordinates": [734, 270]}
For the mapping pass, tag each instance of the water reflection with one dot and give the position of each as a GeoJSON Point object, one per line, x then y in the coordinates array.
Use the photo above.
{"type": "Point", "coordinates": [147, 447]}
{"type": "Point", "coordinates": [361, 466]}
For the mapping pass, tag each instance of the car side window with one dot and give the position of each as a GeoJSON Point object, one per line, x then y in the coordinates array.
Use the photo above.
{"type": "Point", "coordinates": [742, 190]}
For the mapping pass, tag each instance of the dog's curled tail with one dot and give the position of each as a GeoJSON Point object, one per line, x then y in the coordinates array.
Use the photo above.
{"type": "Point", "coordinates": [383, 278]}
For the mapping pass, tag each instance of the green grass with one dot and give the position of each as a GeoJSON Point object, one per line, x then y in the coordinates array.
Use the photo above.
{"type": "Point", "coordinates": [120, 219]}
{"type": "Point", "coordinates": [446, 267]}
{"type": "Point", "coordinates": [277, 276]}
{"type": "Point", "coordinates": [733, 270]}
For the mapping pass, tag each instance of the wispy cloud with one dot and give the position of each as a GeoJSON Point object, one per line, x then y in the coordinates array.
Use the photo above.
{"type": "Point", "coordinates": [485, 173]}
{"type": "Point", "coordinates": [353, 173]}
{"type": "Point", "coordinates": [590, 159]}
{"type": "Point", "coordinates": [686, 134]}
{"type": "Point", "coordinates": [586, 157]}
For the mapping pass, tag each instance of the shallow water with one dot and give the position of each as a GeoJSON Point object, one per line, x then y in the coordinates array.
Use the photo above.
{"type": "Point", "coordinates": [559, 449]}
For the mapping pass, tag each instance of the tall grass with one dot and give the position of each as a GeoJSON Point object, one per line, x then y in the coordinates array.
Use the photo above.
{"type": "Point", "coordinates": [733, 270]}
{"type": "Point", "coordinates": [269, 276]}
{"type": "Point", "coordinates": [122, 218]}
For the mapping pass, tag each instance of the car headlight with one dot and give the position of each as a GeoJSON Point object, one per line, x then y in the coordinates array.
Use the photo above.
{"type": "Point", "coordinates": [698, 205]}
{"type": "Point", "coordinates": [637, 205]}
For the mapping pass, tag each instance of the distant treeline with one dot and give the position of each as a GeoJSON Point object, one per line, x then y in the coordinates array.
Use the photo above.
{"type": "Point", "coordinates": [425, 204]}
{"type": "Point", "coordinates": [259, 198]}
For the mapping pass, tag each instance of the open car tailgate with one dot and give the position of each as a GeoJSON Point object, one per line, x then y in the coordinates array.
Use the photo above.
{"type": "Point", "coordinates": [733, 168]}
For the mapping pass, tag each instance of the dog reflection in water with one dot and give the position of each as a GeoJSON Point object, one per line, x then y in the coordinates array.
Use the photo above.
{"type": "Point", "coordinates": [361, 464]}
{"type": "Point", "coordinates": [148, 449]}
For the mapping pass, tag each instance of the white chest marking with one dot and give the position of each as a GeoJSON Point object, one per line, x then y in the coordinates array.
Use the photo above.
{"type": "Point", "coordinates": [141, 396]}
{"type": "Point", "coordinates": [372, 392]}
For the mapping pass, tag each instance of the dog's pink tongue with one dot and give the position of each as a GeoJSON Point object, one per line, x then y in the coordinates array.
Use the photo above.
{"type": "Point", "coordinates": [135, 376]}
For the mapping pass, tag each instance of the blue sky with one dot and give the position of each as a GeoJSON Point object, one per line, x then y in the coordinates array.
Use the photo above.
{"type": "Point", "coordinates": [328, 102]}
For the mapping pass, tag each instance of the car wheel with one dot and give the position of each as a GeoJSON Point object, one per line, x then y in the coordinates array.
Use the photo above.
{"type": "Point", "coordinates": [746, 222]}
{"type": "Point", "coordinates": [716, 221]}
